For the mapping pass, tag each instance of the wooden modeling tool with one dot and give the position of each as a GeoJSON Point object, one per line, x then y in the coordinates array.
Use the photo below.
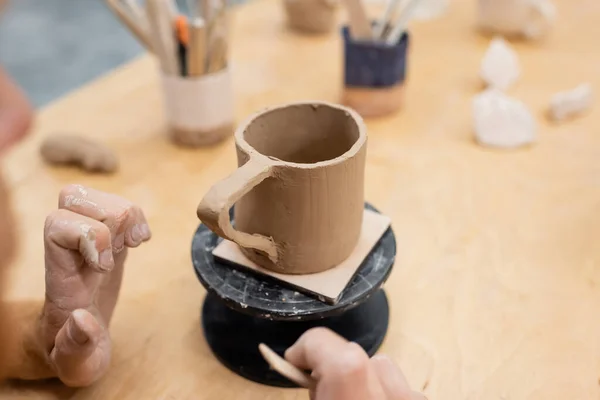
{"type": "Point", "coordinates": [172, 8]}
{"type": "Point", "coordinates": [136, 9]}
{"type": "Point", "coordinates": [132, 23]}
{"type": "Point", "coordinates": [205, 8]}
{"type": "Point", "coordinates": [381, 25]}
{"type": "Point", "coordinates": [209, 14]}
{"type": "Point", "coordinates": [360, 26]}
{"type": "Point", "coordinates": [285, 368]}
{"type": "Point", "coordinates": [163, 40]}
{"type": "Point", "coordinates": [402, 23]}
{"type": "Point", "coordinates": [295, 374]}
{"type": "Point", "coordinates": [217, 39]}
{"type": "Point", "coordinates": [217, 56]}
{"type": "Point", "coordinates": [196, 57]}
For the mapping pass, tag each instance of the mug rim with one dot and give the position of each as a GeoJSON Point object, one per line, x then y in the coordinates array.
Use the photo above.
{"type": "Point", "coordinates": [348, 154]}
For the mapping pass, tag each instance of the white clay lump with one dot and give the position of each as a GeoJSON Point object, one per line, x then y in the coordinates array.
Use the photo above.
{"type": "Point", "coordinates": [572, 102]}
{"type": "Point", "coordinates": [501, 121]}
{"type": "Point", "coordinates": [500, 65]}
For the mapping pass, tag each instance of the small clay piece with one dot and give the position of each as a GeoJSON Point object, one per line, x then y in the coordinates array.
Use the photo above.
{"type": "Point", "coordinates": [286, 368]}
{"type": "Point", "coordinates": [528, 18]}
{"type": "Point", "coordinates": [307, 216]}
{"type": "Point", "coordinates": [311, 16]}
{"type": "Point", "coordinates": [501, 121]}
{"type": "Point", "coordinates": [570, 103]}
{"type": "Point", "coordinates": [88, 154]}
{"type": "Point", "coordinates": [500, 65]}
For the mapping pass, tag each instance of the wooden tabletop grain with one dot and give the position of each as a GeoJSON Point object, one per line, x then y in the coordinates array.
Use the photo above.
{"type": "Point", "coordinates": [495, 294]}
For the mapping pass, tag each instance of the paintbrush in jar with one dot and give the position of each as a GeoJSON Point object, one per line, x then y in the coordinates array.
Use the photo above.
{"type": "Point", "coordinates": [163, 39]}
{"type": "Point", "coordinates": [132, 23]}
{"type": "Point", "coordinates": [360, 26]}
{"type": "Point", "coordinates": [402, 23]}
{"type": "Point", "coordinates": [216, 31]}
{"type": "Point", "coordinates": [196, 55]}
{"type": "Point", "coordinates": [384, 21]}
{"type": "Point", "coordinates": [182, 35]}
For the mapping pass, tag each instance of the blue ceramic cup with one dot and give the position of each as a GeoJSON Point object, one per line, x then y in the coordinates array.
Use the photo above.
{"type": "Point", "coordinates": [374, 74]}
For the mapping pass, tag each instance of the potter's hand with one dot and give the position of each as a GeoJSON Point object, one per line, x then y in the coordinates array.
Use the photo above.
{"type": "Point", "coordinates": [16, 114]}
{"type": "Point", "coordinates": [86, 243]}
{"type": "Point", "coordinates": [344, 371]}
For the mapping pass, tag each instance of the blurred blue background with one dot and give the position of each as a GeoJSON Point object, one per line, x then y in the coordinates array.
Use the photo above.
{"type": "Point", "coordinates": [53, 46]}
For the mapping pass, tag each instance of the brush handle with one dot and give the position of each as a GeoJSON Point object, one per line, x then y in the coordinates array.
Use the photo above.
{"type": "Point", "coordinates": [197, 48]}
{"type": "Point", "coordinates": [139, 31]}
{"type": "Point", "coordinates": [217, 40]}
{"type": "Point", "coordinates": [402, 22]}
{"type": "Point", "coordinates": [162, 32]}
{"type": "Point", "coordinates": [360, 27]}
{"type": "Point", "coordinates": [380, 26]}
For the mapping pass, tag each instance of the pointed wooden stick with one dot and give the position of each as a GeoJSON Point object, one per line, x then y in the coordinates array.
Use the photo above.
{"type": "Point", "coordinates": [360, 26]}
{"type": "Point", "coordinates": [197, 49]}
{"type": "Point", "coordinates": [127, 19]}
{"type": "Point", "coordinates": [385, 19]}
{"type": "Point", "coordinates": [135, 8]}
{"type": "Point", "coordinates": [285, 368]}
{"type": "Point", "coordinates": [163, 38]}
{"type": "Point", "coordinates": [401, 24]}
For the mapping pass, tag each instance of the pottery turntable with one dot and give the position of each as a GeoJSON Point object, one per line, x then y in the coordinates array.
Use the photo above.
{"type": "Point", "coordinates": [246, 306]}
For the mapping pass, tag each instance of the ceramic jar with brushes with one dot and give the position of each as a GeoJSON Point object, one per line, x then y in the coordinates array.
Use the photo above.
{"type": "Point", "coordinates": [192, 54]}
{"type": "Point", "coordinates": [375, 58]}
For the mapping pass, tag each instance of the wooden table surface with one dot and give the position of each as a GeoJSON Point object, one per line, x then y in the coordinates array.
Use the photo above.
{"type": "Point", "coordinates": [495, 294]}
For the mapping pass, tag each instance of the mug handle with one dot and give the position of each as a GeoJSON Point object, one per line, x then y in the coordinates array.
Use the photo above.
{"type": "Point", "coordinates": [544, 13]}
{"type": "Point", "coordinates": [213, 210]}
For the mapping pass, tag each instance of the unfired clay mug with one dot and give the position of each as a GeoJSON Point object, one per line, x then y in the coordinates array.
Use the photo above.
{"type": "Point", "coordinates": [298, 190]}
{"type": "Point", "coordinates": [529, 18]}
{"type": "Point", "coordinates": [311, 16]}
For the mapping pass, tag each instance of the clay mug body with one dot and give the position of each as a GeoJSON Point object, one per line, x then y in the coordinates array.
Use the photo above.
{"type": "Point", "coordinates": [529, 18]}
{"type": "Point", "coordinates": [298, 190]}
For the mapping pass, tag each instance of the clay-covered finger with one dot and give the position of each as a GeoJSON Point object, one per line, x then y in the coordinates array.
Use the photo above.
{"type": "Point", "coordinates": [125, 220]}
{"type": "Point", "coordinates": [76, 356]}
{"type": "Point", "coordinates": [65, 231]}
